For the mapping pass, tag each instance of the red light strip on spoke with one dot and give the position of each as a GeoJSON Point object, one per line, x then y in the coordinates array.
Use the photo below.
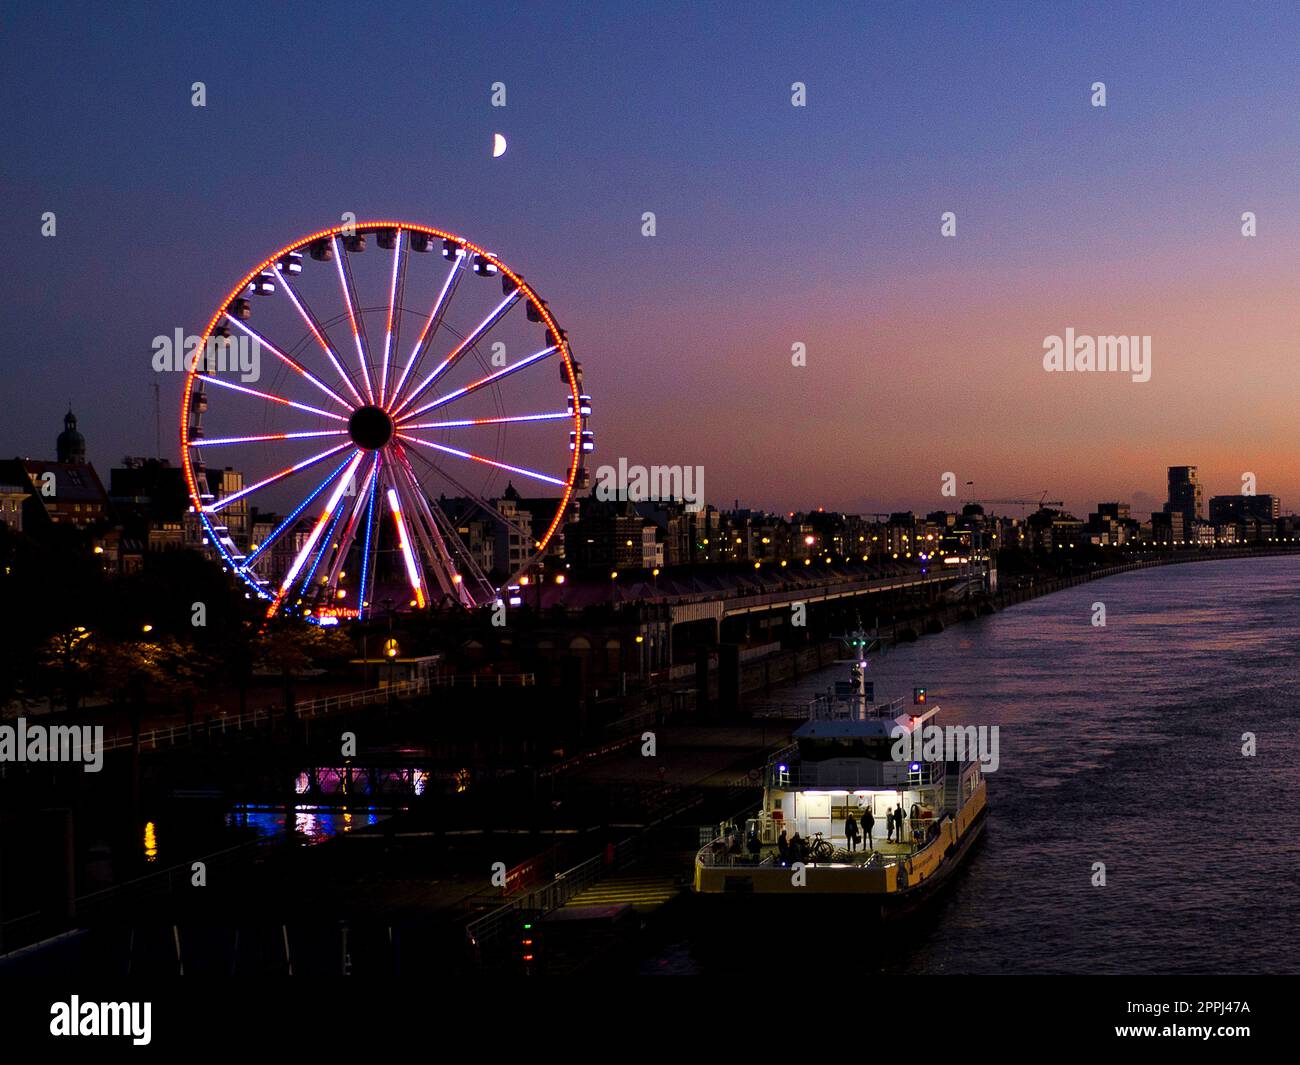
{"type": "Point", "coordinates": [204, 442]}
{"type": "Point", "coordinates": [404, 542]}
{"type": "Point", "coordinates": [288, 290]}
{"type": "Point", "coordinates": [486, 461]}
{"type": "Point", "coordinates": [489, 421]}
{"type": "Point", "coordinates": [291, 362]}
{"type": "Point", "coordinates": [274, 399]}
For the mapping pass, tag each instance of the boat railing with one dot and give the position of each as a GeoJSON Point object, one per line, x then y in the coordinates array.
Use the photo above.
{"type": "Point", "coordinates": [853, 775]}
{"type": "Point", "coordinates": [836, 706]}
{"type": "Point", "coordinates": [716, 854]}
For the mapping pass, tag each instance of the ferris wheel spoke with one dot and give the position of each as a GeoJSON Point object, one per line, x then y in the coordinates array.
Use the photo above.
{"type": "Point", "coordinates": [288, 471]}
{"type": "Point", "coordinates": [309, 317]}
{"type": "Point", "coordinates": [433, 321]}
{"type": "Point", "coordinates": [472, 496]}
{"type": "Point", "coordinates": [367, 578]}
{"type": "Point", "coordinates": [482, 382]}
{"type": "Point", "coordinates": [288, 522]}
{"type": "Point", "coordinates": [350, 530]}
{"type": "Point", "coordinates": [463, 422]}
{"type": "Point", "coordinates": [437, 560]}
{"type": "Point", "coordinates": [441, 541]}
{"type": "Point", "coordinates": [486, 590]}
{"type": "Point", "coordinates": [289, 361]}
{"type": "Point", "coordinates": [222, 440]}
{"type": "Point", "coordinates": [468, 342]}
{"type": "Point", "coordinates": [326, 545]}
{"type": "Point", "coordinates": [404, 541]}
{"type": "Point", "coordinates": [395, 288]}
{"type": "Point", "coordinates": [326, 514]}
{"type": "Point", "coordinates": [354, 315]}
{"type": "Point", "coordinates": [521, 470]}
{"type": "Point", "coordinates": [208, 380]}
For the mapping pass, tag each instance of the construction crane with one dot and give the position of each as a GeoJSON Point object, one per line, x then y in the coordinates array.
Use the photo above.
{"type": "Point", "coordinates": [1041, 502]}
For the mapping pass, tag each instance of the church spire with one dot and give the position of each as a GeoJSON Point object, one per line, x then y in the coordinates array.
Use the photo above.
{"type": "Point", "coordinates": [71, 445]}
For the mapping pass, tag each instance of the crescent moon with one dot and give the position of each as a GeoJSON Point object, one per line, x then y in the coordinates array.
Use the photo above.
{"type": "Point", "coordinates": [498, 146]}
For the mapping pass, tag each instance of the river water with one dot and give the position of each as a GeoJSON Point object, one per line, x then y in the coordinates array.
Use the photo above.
{"type": "Point", "coordinates": [1121, 745]}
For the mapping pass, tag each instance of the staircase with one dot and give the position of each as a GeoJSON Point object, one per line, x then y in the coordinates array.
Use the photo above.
{"type": "Point", "coordinates": [644, 887]}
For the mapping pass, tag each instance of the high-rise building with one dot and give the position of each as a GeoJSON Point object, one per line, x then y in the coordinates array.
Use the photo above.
{"type": "Point", "coordinates": [1186, 496]}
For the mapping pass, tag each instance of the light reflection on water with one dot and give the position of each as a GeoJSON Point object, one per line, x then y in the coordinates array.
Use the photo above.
{"type": "Point", "coordinates": [311, 823]}
{"type": "Point", "coordinates": [337, 787]}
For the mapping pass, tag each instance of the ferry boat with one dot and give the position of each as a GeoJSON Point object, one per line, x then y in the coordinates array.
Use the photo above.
{"type": "Point", "coordinates": [841, 764]}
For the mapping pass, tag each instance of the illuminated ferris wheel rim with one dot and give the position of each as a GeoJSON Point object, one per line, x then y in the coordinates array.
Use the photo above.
{"type": "Point", "coordinates": [273, 264]}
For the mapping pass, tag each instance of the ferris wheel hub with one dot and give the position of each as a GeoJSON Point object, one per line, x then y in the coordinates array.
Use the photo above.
{"type": "Point", "coordinates": [371, 427]}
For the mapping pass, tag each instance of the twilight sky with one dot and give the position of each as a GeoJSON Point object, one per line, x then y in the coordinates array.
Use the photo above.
{"type": "Point", "coordinates": [776, 225]}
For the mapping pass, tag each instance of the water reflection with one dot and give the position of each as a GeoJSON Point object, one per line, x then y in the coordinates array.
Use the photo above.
{"type": "Point", "coordinates": [312, 824]}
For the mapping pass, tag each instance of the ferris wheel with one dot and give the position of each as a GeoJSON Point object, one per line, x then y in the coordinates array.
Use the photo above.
{"type": "Point", "coordinates": [382, 428]}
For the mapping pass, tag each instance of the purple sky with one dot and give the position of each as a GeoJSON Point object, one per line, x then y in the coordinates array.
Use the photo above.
{"type": "Point", "coordinates": [776, 225]}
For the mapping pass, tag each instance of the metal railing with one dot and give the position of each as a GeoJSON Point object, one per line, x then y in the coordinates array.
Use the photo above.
{"type": "Point", "coordinates": [309, 709]}
{"type": "Point", "coordinates": [542, 899]}
{"type": "Point", "coordinates": [715, 854]}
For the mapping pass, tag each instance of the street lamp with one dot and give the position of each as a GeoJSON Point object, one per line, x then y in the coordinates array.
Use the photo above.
{"type": "Point", "coordinates": [390, 649]}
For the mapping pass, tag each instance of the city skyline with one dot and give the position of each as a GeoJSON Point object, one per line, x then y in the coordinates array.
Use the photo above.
{"type": "Point", "coordinates": [924, 353]}
{"type": "Point", "coordinates": [950, 504]}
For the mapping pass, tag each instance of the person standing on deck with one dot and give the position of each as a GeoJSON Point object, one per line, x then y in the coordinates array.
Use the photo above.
{"type": "Point", "coordinates": [889, 825]}
{"type": "Point", "coordinates": [868, 823]}
{"type": "Point", "coordinates": [898, 823]}
{"type": "Point", "coordinates": [851, 832]}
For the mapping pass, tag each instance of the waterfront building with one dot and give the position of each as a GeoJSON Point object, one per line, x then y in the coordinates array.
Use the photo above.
{"type": "Point", "coordinates": [612, 535]}
{"type": "Point", "coordinates": [1110, 524]}
{"type": "Point", "coordinates": [1052, 530]}
{"type": "Point", "coordinates": [1186, 496]}
{"type": "Point", "coordinates": [1168, 528]}
{"type": "Point", "coordinates": [1236, 508]}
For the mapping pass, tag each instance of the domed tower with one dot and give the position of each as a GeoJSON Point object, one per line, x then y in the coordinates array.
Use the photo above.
{"type": "Point", "coordinates": [71, 446]}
